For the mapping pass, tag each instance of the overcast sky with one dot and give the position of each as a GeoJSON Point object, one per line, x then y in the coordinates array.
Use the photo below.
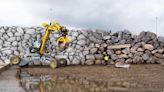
{"type": "Point", "coordinates": [115, 15]}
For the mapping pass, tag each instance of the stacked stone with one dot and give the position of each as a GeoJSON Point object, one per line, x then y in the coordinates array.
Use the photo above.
{"type": "Point", "coordinates": [86, 46]}
{"type": "Point", "coordinates": [127, 48]}
{"type": "Point", "coordinates": [15, 41]}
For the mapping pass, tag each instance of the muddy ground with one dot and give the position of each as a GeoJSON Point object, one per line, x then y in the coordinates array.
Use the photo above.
{"type": "Point", "coordinates": [144, 78]}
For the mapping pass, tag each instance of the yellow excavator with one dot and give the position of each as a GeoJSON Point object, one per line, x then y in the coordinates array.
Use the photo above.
{"type": "Point", "coordinates": [36, 53]}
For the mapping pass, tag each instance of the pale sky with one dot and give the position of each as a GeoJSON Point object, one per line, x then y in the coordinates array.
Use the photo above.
{"type": "Point", "coordinates": [115, 15]}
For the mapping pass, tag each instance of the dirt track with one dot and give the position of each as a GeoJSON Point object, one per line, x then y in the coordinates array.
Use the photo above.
{"type": "Point", "coordinates": [149, 78]}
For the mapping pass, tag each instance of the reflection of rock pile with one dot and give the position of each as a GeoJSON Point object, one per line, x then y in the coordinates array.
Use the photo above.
{"type": "Point", "coordinates": [85, 45]}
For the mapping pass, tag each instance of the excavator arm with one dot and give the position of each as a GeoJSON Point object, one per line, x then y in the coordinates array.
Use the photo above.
{"type": "Point", "coordinates": [49, 27]}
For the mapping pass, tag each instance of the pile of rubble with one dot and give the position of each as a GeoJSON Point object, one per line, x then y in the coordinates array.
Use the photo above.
{"type": "Point", "coordinates": [86, 46]}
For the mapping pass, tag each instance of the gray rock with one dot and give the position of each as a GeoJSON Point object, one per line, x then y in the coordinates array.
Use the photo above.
{"type": "Point", "coordinates": [161, 39]}
{"type": "Point", "coordinates": [126, 35]}
{"type": "Point", "coordinates": [90, 57]}
{"type": "Point", "coordinates": [140, 49]}
{"type": "Point", "coordinates": [82, 61]}
{"type": "Point", "coordinates": [86, 48]}
{"type": "Point", "coordinates": [89, 62]}
{"type": "Point", "coordinates": [61, 56]}
{"type": "Point", "coordinates": [86, 52]}
{"type": "Point", "coordinates": [104, 45]}
{"type": "Point", "coordinates": [114, 56]}
{"type": "Point", "coordinates": [2, 30]}
{"type": "Point", "coordinates": [18, 38]}
{"type": "Point", "coordinates": [18, 34]}
{"type": "Point", "coordinates": [161, 61]}
{"type": "Point", "coordinates": [106, 37]}
{"type": "Point", "coordinates": [6, 36]}
{"type": "Point", "coordinates": [7, 61]}
{"type": "Point", "coordinates": [129, 61]}
{"type": "Point", "coordinates": [75, 61]}
{"type": "Point", "coordinates": [68, 62]}
{"type": "Point", "coordinates": [70, 49]}
{"type": "Point", "coordinates": [11, 39]}
{"type": "Point", "coordinates": [98, 56]}
{"type": "Point", "coordinates": [151, 35]}
{"type": "Point", "coordinates": [98, 62]}
{"type": "Point", "coordinates": [93, 50]}
{"type": "Point", "coordinates": [81, 37]}
{"type": "Point", "coordinates": [151, 60]}
{"type": "Point", "coordinates": [1, 47]}
{"type": "Point", "coordinates": [97, 45]}
{"type": "Point", "coordinates": [110, 52]}
{"type": "Point", "coordinates": [154, 51]}
{"type": "Point", "coordinates": [114, 39]}
{"type": "Point", "coordinates": [1, 34]}
{"type": "Point", "coordinates": [91, 45]}
{"type": "Point", "coordinates": [122, 41]}
{"type": "Point", "coordinates": [30, 31]}
{"type": "Point", "coordinates": [20, 31]}
{"type": "Point", "coordinates": [8, 52]}
{"type": "Point", "coordinates": [161, 56]}
{"type": "Point", "coordinates": [84, 32]}
{"type": "Point", "coordinates": [93, 39]}
{"type": "Point", "coordinates": [71, 58]}
{"type": "Point", "coordinates": [136, 46]}
{"type": "Point", "coordinates": [145, 57]}
{"type": "Point", "coordinates": [160, 51]}
{"type": "Point", "coordinates": [75, 33]}
{"type": "Point", "coordinates": [120, 60]}
{"type": "Point", "coordinates": [15, 43]}
{"type": "Point", "coordinates": [10, 34]}
{"type": "Point", "coordinates": [27, 36]}
{"type": "Point", "coordinates": [16, 53]}
{"type": "Point", "coordinates": [81, 55]}
{"type": "Point", "coordinates": [118, 52]}
{"type": "Point", "coordinates": [97, 35]}
{"type": "Point", "coordinates": [81, 42]}
{"type": "Point", "coordinates": [148, 47]}
{"type": "Point", "coordinates": [137, 59]}
{"type": "Point", "coordinates": [126, 51]}
{"type": "Point", "coordinates": [7, 45]}
{"type": "Point", "coordinates": [123, 56]}
{"type": "Point", "coordinates": [72, 53]}
{"type": "Point", "coordinates": [1, 42]}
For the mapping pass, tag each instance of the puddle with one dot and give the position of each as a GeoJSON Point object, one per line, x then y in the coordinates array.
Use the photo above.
{"type": "Point", "coordinates": [47, 83]}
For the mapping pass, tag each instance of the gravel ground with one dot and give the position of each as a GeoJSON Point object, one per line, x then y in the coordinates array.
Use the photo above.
{"type": "Point", "coordinates": [144, 78]}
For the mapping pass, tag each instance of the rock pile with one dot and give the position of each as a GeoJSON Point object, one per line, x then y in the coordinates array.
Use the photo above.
{"type": "Point", "coordinates": [86, 46]}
